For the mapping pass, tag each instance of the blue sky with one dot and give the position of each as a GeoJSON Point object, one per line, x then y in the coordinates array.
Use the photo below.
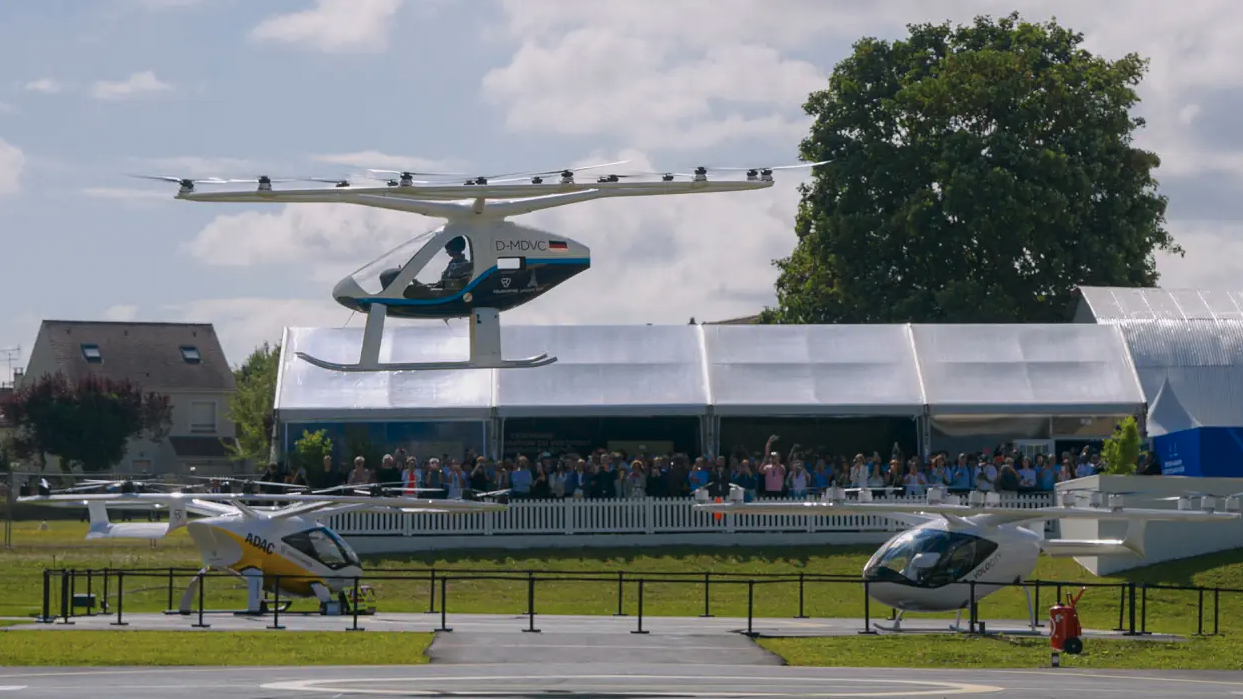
{"type": "Point", "coordinates": [90, 91]}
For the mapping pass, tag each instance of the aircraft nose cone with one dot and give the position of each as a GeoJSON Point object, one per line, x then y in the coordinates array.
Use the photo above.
{"type": "Point", "coordinates": [347, 293]}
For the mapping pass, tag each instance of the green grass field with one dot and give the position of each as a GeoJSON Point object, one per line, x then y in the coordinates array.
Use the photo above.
{"type": "Point", "coordinates": [63, 545]}
{"type": "Point", "coordinates": [186, 648]}
{"type": "Point", "coordinates": [1218, 653]}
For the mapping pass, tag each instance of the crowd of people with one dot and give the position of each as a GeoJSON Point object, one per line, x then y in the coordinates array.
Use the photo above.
{"type": "Point", "coordinates": [797, 473]}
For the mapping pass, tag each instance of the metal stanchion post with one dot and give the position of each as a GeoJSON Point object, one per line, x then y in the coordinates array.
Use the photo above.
{"type": "Point", "coordinates": [750, 607]}
{"type": "Point", "coordinates": [1036, 607]}
{"type": "Point", "coordinates": [46, 617]}
{"type": "Point", "coordinates": [1216, 607]}
{"type": "Point", "coordinates": [354, 607]}
{"type": "Point", "coordinates": [202, 584]}
{"type": "Point", "coordinates": [640, 629]}
{"type": "Point", "coordinates": [65, 600]}
{"type": "Point", "coordinates": [801, 615]}
{"type": "Point", "coordinates": [444, 604]}
{"type": "Point", "coordinates": [431, 592]}
{"type": "Point", "coordinates": [120, 599]}
{"type": "Point", "coordinates": [1200, 614]}
{"type": "Point", "coordinates": [170, 589]}
{"type": "Point", "coordinates": [975, 610]}
{"type": "Point", "coordinates": [1143, 613]}
{"type": "Point", "coordinates": [530, 604]}
{"type": "Point", "coordinates": [867, 610]}
{"type": "Point", "coordinates": [621, 578]}
{"type": "Point", "coordinates": [1121, 606]}
{"type": "Point", "coordinates": [707, 605]}
{"type": "Point", "coordinates": [103, 606]}
{"type": "Point", "coordinates": [1131, 610]}
{"type": "Point", "coordinates": [276, 602]}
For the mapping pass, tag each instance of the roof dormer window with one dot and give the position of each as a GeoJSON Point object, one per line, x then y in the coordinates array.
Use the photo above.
{"type": "Point", "coordinates": [191, 355]}
{"type": "Point", "coordinates": [91, 353]}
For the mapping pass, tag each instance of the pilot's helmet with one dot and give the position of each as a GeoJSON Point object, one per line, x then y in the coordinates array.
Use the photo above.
{"type": "Point", "coordinates": [456, 245]}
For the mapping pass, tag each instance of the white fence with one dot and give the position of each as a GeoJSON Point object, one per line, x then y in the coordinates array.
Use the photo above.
{"type": "Point", "coordinates": [638, 516]}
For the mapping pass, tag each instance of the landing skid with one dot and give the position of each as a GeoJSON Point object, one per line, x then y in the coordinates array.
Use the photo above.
{"type": "Point", "coordinates": [530, 362]}
{"type": "Point", "coordinates": [485, 348]}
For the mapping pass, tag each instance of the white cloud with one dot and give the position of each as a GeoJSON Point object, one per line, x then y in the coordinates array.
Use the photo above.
{"type": "Point", "coordinates": [339, 233]}
{"type": "Point", "coordinates": [12, 162]}
{"type": "Point", "coordinates": [651, 88]}
{"type": "Point", "coordinates": [47, 86]}
{"type": "Point", "coordinates": [121, 313]}
{"type": "Point", "coordinates": [137, 84]}
{"type": "Point", "coordinates": [6, 108]}
{"type": "Point", "coordinates": [333, 26]}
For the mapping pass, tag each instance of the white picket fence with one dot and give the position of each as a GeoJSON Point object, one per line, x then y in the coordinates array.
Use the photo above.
{"type": "Point", "coordinates": [638, 516]}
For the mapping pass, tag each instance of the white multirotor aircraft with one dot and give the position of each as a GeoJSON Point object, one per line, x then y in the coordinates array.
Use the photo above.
{"type": "Point", "coordinates": [278, 545]}
{"type": "Point", "coordinates": [929, 567]}
{"type": "Point", "coordinates": [483, 263]}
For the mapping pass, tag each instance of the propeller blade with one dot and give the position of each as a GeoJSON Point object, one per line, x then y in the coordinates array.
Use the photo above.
{"type": "Point", "coordinates": [770, 167]}
{"type": "Point", "coordinates": [181, 180]}
{"type": "Point", "coordinates": [558, 171]}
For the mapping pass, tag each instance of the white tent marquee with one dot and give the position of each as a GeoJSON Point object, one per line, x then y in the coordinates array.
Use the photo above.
{"type": "Point", "coordinates": [792, 371]}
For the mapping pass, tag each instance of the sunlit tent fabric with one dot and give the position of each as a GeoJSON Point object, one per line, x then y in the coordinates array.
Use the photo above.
{"type": "Point", "coordinates": [1201, 360]}
{"type": "Point", "coordinates": [986, 371]}
{"type": "Point", "coordinates": [812, 370]}
{"type": "Point", "coordinates": [603, 371]}
{"type": "Point", "coordinates": [1190, 339]}
{"type": "Point", "coordinates": [1013, 370]}
{"type": "Point", "coordinates": [308, 393]}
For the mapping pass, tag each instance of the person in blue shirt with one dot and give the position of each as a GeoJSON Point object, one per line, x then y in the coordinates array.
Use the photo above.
{"type": "Point", "coordinates": [960, 475]}
{"type": "Point", "coordinates": [1046, 477]}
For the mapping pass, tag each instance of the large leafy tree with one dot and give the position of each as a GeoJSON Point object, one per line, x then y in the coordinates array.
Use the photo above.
{"type": "Point", "coordinates": [252, 404]}
{"type": "Point", "coordinates": [87, 422]}
{"type": "Point", "coordinates": [980, 173]}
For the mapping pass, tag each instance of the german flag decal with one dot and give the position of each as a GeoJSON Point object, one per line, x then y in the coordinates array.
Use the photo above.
{"type": "Point", "coordinates": [558, 245]}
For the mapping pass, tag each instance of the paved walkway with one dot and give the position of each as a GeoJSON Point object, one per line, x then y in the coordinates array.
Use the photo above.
{"type": "Point", "coordinates": [546, 624]}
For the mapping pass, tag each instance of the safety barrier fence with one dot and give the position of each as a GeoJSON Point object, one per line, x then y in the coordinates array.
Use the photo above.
{"type": "Point", "coordinates": [628, 516]}
{"type": "Point", "coordinates": [65, 583]}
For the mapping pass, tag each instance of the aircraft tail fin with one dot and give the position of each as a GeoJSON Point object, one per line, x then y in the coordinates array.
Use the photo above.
{"type": "Point", "coordinates": [102, 528]}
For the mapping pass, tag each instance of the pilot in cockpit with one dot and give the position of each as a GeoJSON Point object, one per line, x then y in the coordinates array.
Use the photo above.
{"type": "Point", "coordinates": [459, 268]}
{"type": "Point", "coordinates": [455, 274]}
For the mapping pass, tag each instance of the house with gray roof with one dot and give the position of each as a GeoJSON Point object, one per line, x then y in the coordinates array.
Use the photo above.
{"type": "Point", "coordinates": [182, 360]}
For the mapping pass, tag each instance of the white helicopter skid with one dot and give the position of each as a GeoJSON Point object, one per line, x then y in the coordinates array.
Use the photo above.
{"type": "Point", "coordinates": [530, 362]}
{"type": "Point", "coordinates": [485, 348]}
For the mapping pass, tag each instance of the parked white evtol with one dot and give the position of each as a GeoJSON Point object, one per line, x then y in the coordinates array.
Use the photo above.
{"type": "Point", "coordinates": [929, 567]}
{"type": "Point", "coordinates": [281, 545]}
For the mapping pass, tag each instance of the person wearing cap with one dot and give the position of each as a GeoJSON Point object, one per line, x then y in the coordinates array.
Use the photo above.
{"type": "Point", "coordinates": [985, 474]}
{"type": "Point", "coordinates": [459, 268]}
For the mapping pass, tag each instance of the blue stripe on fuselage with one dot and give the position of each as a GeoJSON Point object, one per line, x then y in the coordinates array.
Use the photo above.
{"type": "Point", "coordinates": [385, 301]}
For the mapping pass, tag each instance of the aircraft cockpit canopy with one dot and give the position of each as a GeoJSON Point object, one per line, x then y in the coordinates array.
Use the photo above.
{"type": "Point", "coordinates": [928, 558]}
{"type": "Point", "coordinates": [446, 272]}
{"type": "Point", "coordinates": [325, 546]}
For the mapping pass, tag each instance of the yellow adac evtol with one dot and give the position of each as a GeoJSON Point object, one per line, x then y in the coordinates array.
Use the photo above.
{"type": "Point", "coordinates": [279, 543]}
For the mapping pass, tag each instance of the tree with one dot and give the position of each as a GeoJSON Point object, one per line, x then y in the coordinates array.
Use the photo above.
{"type": "Point", "coordinates": [252, 404]}
{"type": "Point", "coordinates": [311, 448]}
{"type": "Point", "coordinates": [980, 173]}
{"type": "Point", "coordinates": [88, 422]}
{"type": "Point", "coordinates": [1121, 451]}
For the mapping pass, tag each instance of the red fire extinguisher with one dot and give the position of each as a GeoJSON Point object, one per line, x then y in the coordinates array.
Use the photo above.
{"type": "Point", "coordinates": [1065, 633]}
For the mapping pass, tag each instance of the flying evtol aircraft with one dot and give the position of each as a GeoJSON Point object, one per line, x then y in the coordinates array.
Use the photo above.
{"type": "Point", "coordinates": [929, 567]}
{"type": "Point", "coordinates": [281, 544]}
{"type": "Point", "coordinates": [484, 264]}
